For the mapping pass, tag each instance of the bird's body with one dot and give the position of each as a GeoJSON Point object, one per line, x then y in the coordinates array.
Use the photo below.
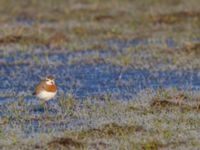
{"type": "Point", "coordinates": [46, 89]}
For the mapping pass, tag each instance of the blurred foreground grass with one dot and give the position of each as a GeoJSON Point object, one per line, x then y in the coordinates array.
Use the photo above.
{"type": "Point", "coordinates": [168, 119]}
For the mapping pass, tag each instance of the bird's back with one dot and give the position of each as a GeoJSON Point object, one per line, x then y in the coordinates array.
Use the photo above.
{"type": "Point", "coordinates": [39, 87]}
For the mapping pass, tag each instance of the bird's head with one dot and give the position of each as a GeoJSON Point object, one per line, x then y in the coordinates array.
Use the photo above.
{"type": "Point", "coordinates": [50, 80]}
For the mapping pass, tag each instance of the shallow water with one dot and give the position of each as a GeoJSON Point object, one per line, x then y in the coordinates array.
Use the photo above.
{"type": "Point", "coordinates": [82, 80]}
{"type": "Point", "coordinates": [19, 73]}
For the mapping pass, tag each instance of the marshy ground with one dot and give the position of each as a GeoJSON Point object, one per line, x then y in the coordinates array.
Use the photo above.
{"type": "Point", "coordinates": [128, 74]}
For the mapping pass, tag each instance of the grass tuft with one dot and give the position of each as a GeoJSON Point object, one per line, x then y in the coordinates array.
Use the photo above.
{"type": "Point", "coordinates": [65, 142]}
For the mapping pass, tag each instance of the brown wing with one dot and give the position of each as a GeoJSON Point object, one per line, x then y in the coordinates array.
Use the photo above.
{"type": "Point", "coordinates": [39, 87]}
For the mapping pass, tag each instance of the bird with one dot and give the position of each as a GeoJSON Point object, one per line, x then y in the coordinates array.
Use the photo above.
{"type": "Point", "coordinates": [46, 89]}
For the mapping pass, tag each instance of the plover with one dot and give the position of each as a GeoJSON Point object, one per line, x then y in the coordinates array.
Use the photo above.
{"type": "Point", "coordinates": [46, 89]}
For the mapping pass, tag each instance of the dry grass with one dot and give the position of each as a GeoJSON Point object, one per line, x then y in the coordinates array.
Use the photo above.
{"type": "Point", "coordinates": [64, 143]}
{"type": "Point", "coordinates": [176, 17]}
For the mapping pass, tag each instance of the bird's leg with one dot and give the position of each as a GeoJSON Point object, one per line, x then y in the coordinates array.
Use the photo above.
{"type": "Point", "coordinates": [45, 108]}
